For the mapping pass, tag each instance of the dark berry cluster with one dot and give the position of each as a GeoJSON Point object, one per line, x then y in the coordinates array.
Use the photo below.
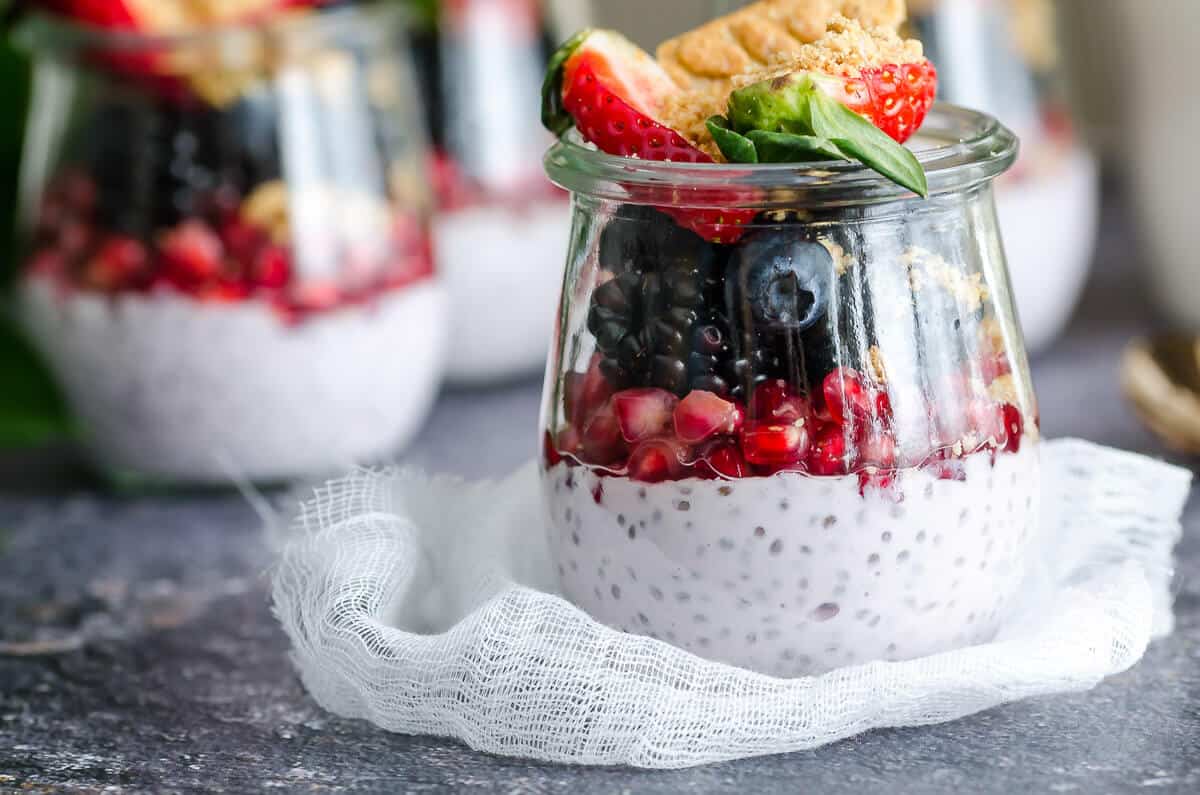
{"type": "Point", "coordinates": [684, 314]}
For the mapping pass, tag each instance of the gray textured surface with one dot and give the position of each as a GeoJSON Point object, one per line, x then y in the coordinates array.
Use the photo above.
{"type": "Point", "coordinates": [137, 649]}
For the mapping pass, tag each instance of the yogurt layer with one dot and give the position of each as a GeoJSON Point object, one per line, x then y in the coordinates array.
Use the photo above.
{"type": "Point", "coordinates": [791, 574]}
{"type": "Point", "coordinates": [175, 388]}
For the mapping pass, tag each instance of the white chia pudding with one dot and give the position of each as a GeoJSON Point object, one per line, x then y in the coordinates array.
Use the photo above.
{"type": "Point", "coordinates": [174, 388]}
{"type": "Point", "coordinates": [792, 574]}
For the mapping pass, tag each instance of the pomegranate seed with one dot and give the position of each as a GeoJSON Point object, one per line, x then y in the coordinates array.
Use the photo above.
{"type": "Point", "coordinates": [119, 263]}
{"type": "Point", "coordinates": [74, 238]}
{"type": "Point", "coordinates": [569, 441]}
{"type": "Point", "coordinates": [550, 453]}
{"type": "Point", "coordinates": [726, 460]}
{"type": "Point", "coordinates": [1014, 426]}
{"type": "Point", "coordinates": [644, 413]}
{"type": "Point", "coordinates": [192, 254]}
{"type": "Point", "coordinates": [985, 420]}
{"type": "Point", "coordinates": [775, 445]}
{"type": "Point", "coordinates": [702, 415]}
{"type": "Point", "coordinates": [846, 396]}
{"type": "Point", "coordinates": [774, 401]}
{"type": "Point", "coordinates": [877, 480]}
{"type": "Point", "coordinates": [46, 262]}
{"type": "Point", "coordinates": [828, 454]}
{"type": "Point", "coordinates": [654, 462]}
{"type": "Point", "coordinates": [878, 449]}
{"type": "Point", "coordinates": [272, 267]}
{"type": "Point", "coordinates": [242, 240]}
{"type": "Point", "coordinates": [317, 296]}
{"type": "Point", "coordinates": [585, 393]}
{"type": "Point", "coordinates": [602, 443]}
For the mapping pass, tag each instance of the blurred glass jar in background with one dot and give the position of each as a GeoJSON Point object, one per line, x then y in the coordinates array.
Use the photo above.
{"type": "Point", "coordinates": [228, 265]}
{"type": "Point", "coordinates": [501, 227]}
{"type": "Point", "coordinates": [1002, 57]}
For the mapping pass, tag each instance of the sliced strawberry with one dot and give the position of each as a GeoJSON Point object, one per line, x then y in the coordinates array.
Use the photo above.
{"type": "Point", "coordinates": [612, 91]}
{"type": "Point", "coordinates": [702, 415]}
{"type": "Point", "coordinates": [644, 413]}
{"type": "Point", "coordinates": [895, 97]}
{"type": "Point", "coordinates": [775, 445]}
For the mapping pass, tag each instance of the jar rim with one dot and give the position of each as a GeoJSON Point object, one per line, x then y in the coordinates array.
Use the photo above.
{"type": "Point", "coordinates": [969, 147]}
{"type": "Point", "coordinates": [42, 33]}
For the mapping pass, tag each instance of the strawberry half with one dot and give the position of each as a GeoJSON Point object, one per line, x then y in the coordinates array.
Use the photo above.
{"type": "Point", "coordinates": [895, 97]}
{"type": "Point", "coordinates": [612, 91]}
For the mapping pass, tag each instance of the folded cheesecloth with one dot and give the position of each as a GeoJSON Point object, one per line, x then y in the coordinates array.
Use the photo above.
{"type": "Point", "coordinates": [434, 606]}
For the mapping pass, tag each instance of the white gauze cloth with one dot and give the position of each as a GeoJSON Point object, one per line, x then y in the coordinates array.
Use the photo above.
{"type": "Point", "coordinates": [429, 606]}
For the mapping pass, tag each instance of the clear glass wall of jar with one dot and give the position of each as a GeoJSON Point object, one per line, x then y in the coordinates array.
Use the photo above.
{"type": "Point", "coordinates": [228, 262]}
{"type": "Point", "coordinates": [788, 422]}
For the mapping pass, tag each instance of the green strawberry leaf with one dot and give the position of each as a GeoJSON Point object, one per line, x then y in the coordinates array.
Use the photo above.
{"type": "Point", "coordinates": [777, 147]}
{"type": "Point", "coordinates": [554, 116]}
{"type": "Point", "coordinates": [735, 147]}
{"type": "Point", "coordinates": [776, 105]}
{"type": "Point", "coordinates": [863, 141]}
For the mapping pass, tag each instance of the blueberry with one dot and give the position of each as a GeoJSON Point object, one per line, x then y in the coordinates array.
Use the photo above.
{"type": "Point", "coordinates": [784, 280]}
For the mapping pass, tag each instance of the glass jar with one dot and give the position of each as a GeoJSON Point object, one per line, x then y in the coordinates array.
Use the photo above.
{"type": "Point", "coordinates": [228, 262]}
{"type": "Point", "coordinates": [501, 227]}
{"type": "Point", "coordinates": [806, 437]}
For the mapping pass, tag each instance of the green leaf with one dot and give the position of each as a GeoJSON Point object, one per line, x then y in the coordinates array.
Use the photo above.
{"type": "Point", "coordinates": [794, 104]}
{"type": "Point", "coordinates": [736, 148]}
{"type": "Point", "coordinates": [554, 116]}
{"type": "Point", "coordinates": [31, 409]}
{"type": "Point", "coordinates": [777, 147]}
{"type": "Point", "coordinates": [863, 141]}
{"type": "Point", "coordinates": [776, 105]}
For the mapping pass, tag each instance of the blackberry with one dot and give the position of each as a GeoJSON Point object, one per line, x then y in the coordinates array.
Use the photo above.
{"type": "Point", "coordinates": [662, 320]}
{"type": "Point", "coordinates": [156, 164]}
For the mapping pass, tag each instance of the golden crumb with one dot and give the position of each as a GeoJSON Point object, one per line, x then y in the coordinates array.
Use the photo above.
{"type": "Point", "coordinates": [762, 34]}
{"type": "Point", "coordinates": [845, 48]}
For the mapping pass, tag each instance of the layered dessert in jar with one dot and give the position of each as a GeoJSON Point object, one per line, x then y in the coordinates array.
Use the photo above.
{"type": "Point", "coordinates": [788, 422]}
{"type": "Point", "coordinates": [229, 267]}
{"type": "Point", "coordinates": [501, 227]}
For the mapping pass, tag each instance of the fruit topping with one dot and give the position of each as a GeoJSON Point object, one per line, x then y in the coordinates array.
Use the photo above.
{"type": "Point", "coordinates": [656, 461]}
{"type": "Point", "coordinates": [702, 415]}
{"type": "Point", "coordinates": [848, 398]}
{"type": "Point", "coordinates": [775, 444]}
{"type": "Point", "coordinates": [785, 280]}
{"type": "Point", "coordinates": [602, 442]}
{"type": "Point", "coordinates": [828, 455]}
{"type": "Point", "coordinates": [644, 413]}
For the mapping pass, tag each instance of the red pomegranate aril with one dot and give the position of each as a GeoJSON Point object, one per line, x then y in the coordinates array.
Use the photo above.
{"type": "Point", "coordinates": [119, 263]}
{"type": "Point", "coordinates": [702, 415]}
{"type": "Point", "coordinates": [1014, 427]}
{"type": "Point", "coordinates": [727, 460]}
{"type": "Point", "coordinates": [644, 413]}
{"type": "Point", "coordinates": [585, 393]}
{"type": "Point", "coordinates": [828, 454]}
{"type": "Point", "coordinates": [878, 449]}
{"type": "Point", "coordinates": [654, 462]}
{"type": "Point", "coordinates": [192, 253]}
{"type": "Point", "coordinates": [774, 401]}
{"type": "Point", "coordinates": [775, 444]}
{"type": "Point", "coordinates": [985, 421]}
{"type": "Point", "coordinates": [550, 454]}
{"type": "Point", "coordinates": [847, 396]}
{"type": "Point", "coordinates": [242, 240]}
{"type": "Point", "coordinates": [272, 268]}
{"type": "Point", "coordinates": [602, 444]}
{"type": "Point", "coordinates": [569, 441]}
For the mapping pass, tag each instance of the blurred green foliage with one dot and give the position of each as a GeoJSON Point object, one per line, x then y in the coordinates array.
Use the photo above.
{"type": "Point", "coordinates": [31, 409]}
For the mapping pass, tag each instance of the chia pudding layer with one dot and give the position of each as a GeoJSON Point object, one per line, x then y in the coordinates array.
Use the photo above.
{"type": "Point", "coordinates": [201, 391]}
{"type": "Point", "coordinates": [792, 574]}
